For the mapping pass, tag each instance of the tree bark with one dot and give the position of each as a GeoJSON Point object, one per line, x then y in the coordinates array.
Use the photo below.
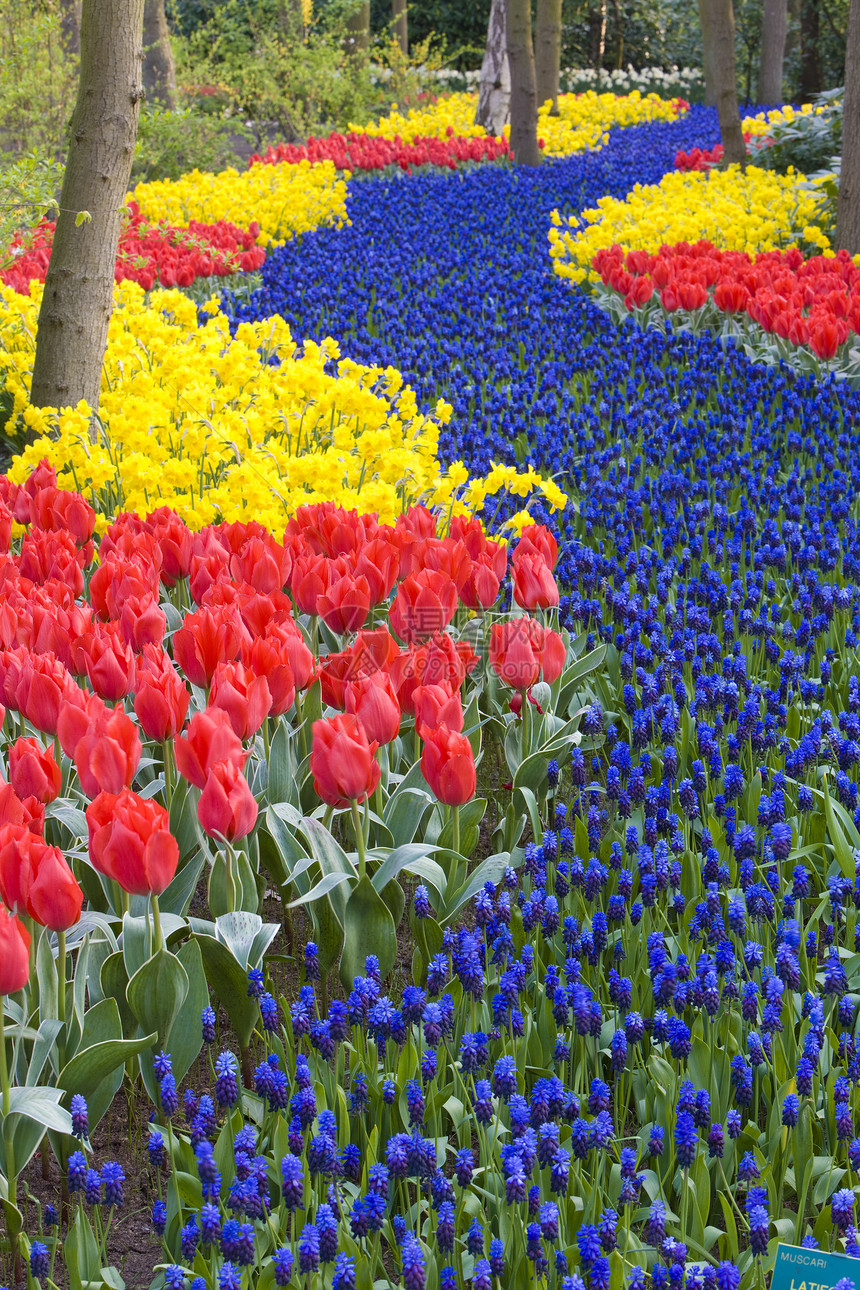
{"type": "Point", "coordinates": [706, 20]}
{"type": "Point", "coordinates": [811, 81]}
{"type": "Point", "coordinates": [618, 20]}
{"type": "Point", "coordinates": [725, 83]}
{"type": "Point", "coordinates": [400, 25]}
{"type": "Point", "coordinates": [524, 101]}
{"type": "Point", "coordinates": [597, 26]}
{"type": "Point", "coordinates": [774, 29]}
{"type": "Point", "coordinates": [70, 25]}
{"type": "Point", "coordinates": [358, 28]}
{"type": "Point", "coordinates": [494, 89]}
{"type": "Point", "coordinates": [548, 52]}
{"type": "Point", "coordinates": [848, 205]}
{"type": "Point", "coordinates": [159, 71]}
{"type": "Point", "coordinates": [78, 296]}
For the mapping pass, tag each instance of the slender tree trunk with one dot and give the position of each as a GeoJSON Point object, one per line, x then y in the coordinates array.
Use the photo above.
{"type": "Point", "coordinates": [400, 27]}
{"type": "Point", "coordinates": [548, 51]}
{"type": "Point", "coordinates": [725, 82]}
{"type": "Point", "coordinates": [811, 81]}
{"type": "Point", "coordinates": [792, 40]}
{"type": "Point", "coordinates": [848, 206]}
{"type": "Point", "coordinates": [524, 102]}
{"type": "Point", "coordinates": [706, 20]}
{"type": "Point", "coordinates": [159, 71]}
{"type": "Point", "coordinates": [78, 294]}
{"type": "Point", "coordinates": [70, 25]}
{"type": "Point", "coordinates": [618, 20]}
{"type": "Point", "coordinates": [494, 89]}
{"type": "Point", "coordinates": [358, 28]}
{"type": "Point", "coordinates": [597, 25]}
{"type": "Point", "coordinates": [774, 29]}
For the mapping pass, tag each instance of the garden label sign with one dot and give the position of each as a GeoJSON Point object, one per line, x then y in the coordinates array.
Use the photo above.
{"type": "Point", "coordinates": [800, 1269]}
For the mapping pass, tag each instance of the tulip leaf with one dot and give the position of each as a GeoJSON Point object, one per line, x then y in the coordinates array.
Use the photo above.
{"type": "Point", "coordinates": [114, 983]}
{"type": "Point", "coordinates": [282, 765]}
{"type": "Point", "coordinates": [186, 1036]}
{"type": "Point", "coordinates": [157, 992]}
{"type": "Point", "coordinates": [229, 980]}
{"type": "Point", "coordinates": [368, 929]}
{"type": "Point", "coordinates": [246, 936]}
{"type": "Point", "coordinates": [328, 933]}
{"type": "Point", "coordinates": [176, 898]}
{"type": "Point", "coordinates": [136, 942]}
{"type": "Point", "coordinates": [402, 857]}
{"type": "Point", "coordinates": [91, 1066]}
{"type": "Point", "coordinates": [326, 884]}
{"type": "Point", "coordinates": [407, 806]}
{"type": "Point", "coordinates": [490, 870]}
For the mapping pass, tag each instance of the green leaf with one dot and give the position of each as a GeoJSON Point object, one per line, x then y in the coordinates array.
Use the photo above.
{"type": "Point", "coordinates": [403, 857]}
{"type": "Point", "coordinates": [156, 993]}
{"type": "Point", "coordinates": [229, 981]}
{"type": "Point", "coordinates": [114, 983]}
{"type": "Point", "coordinates": [282, 765]}
{"type": "Point", "coordinates": [186, 1037]}
{"type": "Point", "coordinates": [82, 217]}
{"type": "Point", "coordinates": [91, 1066]}
{"type": "Point", "coordinates": [176, 898]}
{"type": "Point", "coordinates": [368, 929]}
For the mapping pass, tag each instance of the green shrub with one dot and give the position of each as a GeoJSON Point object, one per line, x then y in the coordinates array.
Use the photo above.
{"type": "Point", "coordinates": [169, 144]}
{"type": "Point", "coordinates": [38, 79]}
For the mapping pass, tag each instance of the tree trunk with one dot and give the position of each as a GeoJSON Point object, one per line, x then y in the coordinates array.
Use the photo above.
{"type": "Point", "coordinates": [358, 29]}
{"type": "Point", "coordinates": [70, 25]}
{"type": "Point", "coordinates": [774, 29]}
{"type": "Point", "coordinates": [848, 206]}
{"type": "Point", "coordinates": [706, 20]}
{"type": "Point", "coordinates": [618, 20]}
{"type": "Point", "coordinates": [548, 51]}
{"type": "Point", "coordinates": [400, 26]}
{"type": "Point", "coordinates": [524, 102]}
{"type": "Point", "coordinates": [159, 72]}
{"type": "Point", "coordinates": [597, 25]}
{"type": "Point", "coordinates": [725, 82]}
{"type": "Point", "coordinates": [494, 89]}
{"type": "Point", "coordinates": [78, 294]}
{"type": "Point", "coordinates": [811, 81]}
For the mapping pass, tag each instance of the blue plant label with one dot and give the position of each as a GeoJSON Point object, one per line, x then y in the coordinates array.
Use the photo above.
{"type": "Point", "coordinates": [799, 1269]}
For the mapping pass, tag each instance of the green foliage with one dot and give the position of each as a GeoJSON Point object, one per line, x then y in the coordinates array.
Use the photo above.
{"type": "Point", "coordinates": [169, 144]}
{"type": "Point", "coordinates": [28, 190]}
{"type": "Point", "coordinates": [808, 143]}
{"type": "Point", "coordinates": [38, 79]}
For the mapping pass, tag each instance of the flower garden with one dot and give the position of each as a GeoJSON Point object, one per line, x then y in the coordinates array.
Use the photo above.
{"type": "Point", "coordinates": [431, 725]}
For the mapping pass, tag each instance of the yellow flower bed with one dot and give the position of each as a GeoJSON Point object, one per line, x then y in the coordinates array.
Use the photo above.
{"type": "Point", "coordinates": [752, 211]}
{"type": "Point", "coordinates": [762, 122]}
{"type": "Point", "coordinates": [284, 199]}
{"type": "Point", "coordinates": [583, 122]}
{"type": "Point", "coordinates": [194, 419]}
{"type": "Point", "coordinates": [449, 111]}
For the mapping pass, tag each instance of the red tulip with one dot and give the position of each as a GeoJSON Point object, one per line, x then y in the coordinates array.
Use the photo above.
{"type": "Point", "coordinates": [41, 687]}
{"type": "Point", "coordinates": [448, 765]}
{"type": "Point", "coordinates": [373, 701]}
{"type": "Point", "coordinates": [227, 806]}
{"type": "Point", "coordinates": [311, 578]}
{"type": "Point", "coordinates": [481, 588]}
{"type": "Point", "coordinates": [345, 605]}
{"type": "Point", "coordinates": [447, 662]}
{"type": "Point", "coordinates": [205, 639]}
{"type": "Point", "coordinates": [407, 672]}
{"type": "Point", "coordinates": [57, 508]}
{"type": "Point", "coordinates": [175, 542]}
{"type": "Point", "coordinates": [343, 761]}
{"type": "Point", "coordinates": [37, 878]}
{"type": "Point", "coordinates": [160, 696]}
{"type": "Point", "coordinates": [106, 757]}
{"type": "Point", "coordinates": [33, 771]}
{"type": "Point", "coordinates": [267, 657]}
{"type": "Point", "coordinates": [379, 562]}
{"type": "Point", "coordinates": [118, 579]}
{"type": "Point", "coordinates": [534, 584]}
{"type": "Point", "coordinates": [130, 841]}
{"type": "Point", "coordinates": [263, 564]}
{"type": "Point", "coordinates": [425, 603]}
{"type": "Point", "coordinates": [245, 698]}
{"type": "Point", "coordinates": [435, 707]}
{"type": "Point", "coordinates": [14, 953]}
{"type": "Point", "coordinates": [142, 621]}
{"type": "Point", "coordinates": [107, 661]}
{"type": "Point", "coordinates": [210, 739]}
{"type": "Point", "coordinates": [521, 648]}
{"type": "Point", "coordinates": [29, 812]}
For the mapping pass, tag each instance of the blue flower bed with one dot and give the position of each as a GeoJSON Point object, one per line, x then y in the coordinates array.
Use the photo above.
{"type": "Point", "coordinates": [638, 1060]}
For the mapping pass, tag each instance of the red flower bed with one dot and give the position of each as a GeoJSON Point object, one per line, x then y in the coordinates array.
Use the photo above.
{"type": "Point", "coordinates": [813, 302]}
{"type": "Point", "coordinates": [152, 254]}
{"type": "Point", "coordinates": [361, 152]}
{"type": "Point", "coordinates": [706, 158]}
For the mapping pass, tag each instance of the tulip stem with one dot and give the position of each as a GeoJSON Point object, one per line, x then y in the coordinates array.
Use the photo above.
{"type": "Point", "coordinates": [61, 995]}
{"type": "Point", "coordinates": [266, 740]}
{"type": "Point", "coordinates": [455, 827]}
{"type": "Point", "coordinates": [158, 937]}
{"type": "Point", "coordinates": [358, 827]}
{"type": "Point", "coordinates": [4, 1069]}
{"type": "Point", "coordinates": [168, 772]}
